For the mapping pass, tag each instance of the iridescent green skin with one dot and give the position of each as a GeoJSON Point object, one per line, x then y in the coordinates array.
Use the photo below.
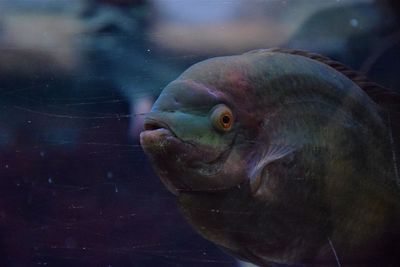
{"type": "Point", "coordinates": [329, 186]}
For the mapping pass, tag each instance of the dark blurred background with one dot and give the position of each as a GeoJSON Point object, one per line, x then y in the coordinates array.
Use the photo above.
{"type": "Point", "coordinates": [76, 77]}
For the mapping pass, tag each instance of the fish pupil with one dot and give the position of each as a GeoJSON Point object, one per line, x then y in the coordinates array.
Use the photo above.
{"type": "Point", "coordinates": [225, 119]}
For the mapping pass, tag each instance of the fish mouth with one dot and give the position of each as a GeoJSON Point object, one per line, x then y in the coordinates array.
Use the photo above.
{"type": "Point", "coordinates": [163, 146]}
{"type": "Point", "coordinates": [156, 135]}
{"type": "Point", "coordinates": [152, 124]}
{"type": "Point", "coordinates": [181, 165]}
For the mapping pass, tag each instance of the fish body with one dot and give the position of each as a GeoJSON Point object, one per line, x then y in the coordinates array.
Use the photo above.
{"type": "Point", "coordinates": [280, 157]}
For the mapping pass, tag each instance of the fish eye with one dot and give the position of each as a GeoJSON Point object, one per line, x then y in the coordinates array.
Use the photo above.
{"type": "Point", "coordinates": [222, 118]}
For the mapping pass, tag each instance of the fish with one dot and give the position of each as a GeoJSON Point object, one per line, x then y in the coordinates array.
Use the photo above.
{"type": "Point", "coordinates": [282, 157]}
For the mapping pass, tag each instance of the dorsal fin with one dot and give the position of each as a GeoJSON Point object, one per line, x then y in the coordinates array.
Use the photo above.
{"type": "Point", "coordinates": [386, 98]}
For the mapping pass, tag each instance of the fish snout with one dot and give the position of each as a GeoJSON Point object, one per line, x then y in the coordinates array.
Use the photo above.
{"type": "Point", "coordinates": [156, 137]}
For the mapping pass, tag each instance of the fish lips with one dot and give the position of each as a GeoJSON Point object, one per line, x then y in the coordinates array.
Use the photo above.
{"type": "Point", "coordinates": [177, 162]}
{"type": "Point", "coordinates": [158, 140]}
{"type": "Point", "coordinates": [159, 144]}
{"type": "Point", "coordinates": [168, 154]}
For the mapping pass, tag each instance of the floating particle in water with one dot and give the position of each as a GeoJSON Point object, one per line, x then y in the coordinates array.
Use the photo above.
{"type": "Point", "coordinates": [354, 23]}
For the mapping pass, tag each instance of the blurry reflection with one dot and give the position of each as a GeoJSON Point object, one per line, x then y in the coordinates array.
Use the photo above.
{"type": "Point", "coordinates": [363, 35]}
{"type": "Point", "coordinates": [118, 54]}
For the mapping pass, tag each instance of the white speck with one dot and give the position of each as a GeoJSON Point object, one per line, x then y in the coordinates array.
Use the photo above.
{"type": "Point", "coordinates": [6, 166]}
{"type": "Point", "coordinates": [354, 23]}
{"type": "Point", "coordinates": [116, 189]}
{"type": "Point", "coordinates": [29, 121]}
{"type": "Point", "coordinates": [50, 180]}
{"type": "Point", "coordinates": [42, 153]}
{"type": "Point", "coordinates": [148, 50]}
{"type": "Point", "coordinates": [110, 175]}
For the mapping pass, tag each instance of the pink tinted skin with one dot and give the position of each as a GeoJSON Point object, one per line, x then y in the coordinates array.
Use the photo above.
{"type": "Point", "coordinates": [140, 107]}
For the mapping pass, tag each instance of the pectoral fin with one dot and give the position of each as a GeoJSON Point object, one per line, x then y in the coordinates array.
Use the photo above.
{"type": "Point", "coordinates": [258, 175]}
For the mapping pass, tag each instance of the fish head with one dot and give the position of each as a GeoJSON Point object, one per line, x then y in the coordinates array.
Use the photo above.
{"type": "Point", "coordinates": [193, 133]}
